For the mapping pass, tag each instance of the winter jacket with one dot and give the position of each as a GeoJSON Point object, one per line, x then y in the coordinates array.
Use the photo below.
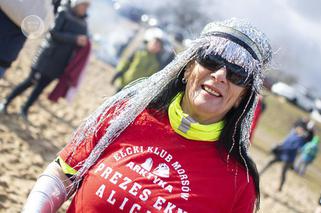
{"type": "Point", "coordinates": [11, 40]}
{"type": "Point", "coordinates": [289, 148]}
{"type": "Point", "coordinates": [142, 64]}
{"type": "Point", "coordinates": [60, 44]}
{"type": "Point", "coordinates": [310, 150]}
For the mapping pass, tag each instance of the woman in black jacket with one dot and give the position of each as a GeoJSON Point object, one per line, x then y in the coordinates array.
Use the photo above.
{"type": "Point", "coordinates": [68, 33]}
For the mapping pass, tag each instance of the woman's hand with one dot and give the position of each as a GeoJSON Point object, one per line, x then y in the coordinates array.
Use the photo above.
{"type": "Point", "coordinates": [82, 40]}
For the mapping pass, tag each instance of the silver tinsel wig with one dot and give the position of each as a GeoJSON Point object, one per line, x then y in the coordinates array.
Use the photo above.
{"type": "Point", "coordinates": [235, 40]}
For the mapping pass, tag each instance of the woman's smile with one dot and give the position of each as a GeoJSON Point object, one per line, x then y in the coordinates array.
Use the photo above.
{"type": "Point", "coordinates": [209, 95]}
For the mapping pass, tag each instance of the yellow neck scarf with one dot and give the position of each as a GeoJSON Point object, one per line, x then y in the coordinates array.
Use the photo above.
{"type": "Point", "coordinates": [186, 126]}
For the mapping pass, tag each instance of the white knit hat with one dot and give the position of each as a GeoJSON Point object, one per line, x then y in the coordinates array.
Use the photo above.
{"type": "Point", "coordinates": [76, 2]}
{"type": "Point", "coordinates": [154, 33]}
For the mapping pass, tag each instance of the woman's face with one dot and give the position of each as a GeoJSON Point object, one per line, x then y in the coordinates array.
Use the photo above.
{"type": "Point", "coordinates": [208, 94]}
{"type": "Point", "coordinates": [81, 9]}
{"type": "Point", "coordinates": [154, 46]}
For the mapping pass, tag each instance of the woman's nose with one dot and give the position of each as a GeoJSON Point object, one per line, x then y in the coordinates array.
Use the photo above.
{"type": "Point", "coordinates": [220, 75]}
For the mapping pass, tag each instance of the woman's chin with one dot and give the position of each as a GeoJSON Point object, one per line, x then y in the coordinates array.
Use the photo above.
{"type": "Point", "coordinates": [208, 101]}
{"type": "Point", "coordinates": [207, 111]}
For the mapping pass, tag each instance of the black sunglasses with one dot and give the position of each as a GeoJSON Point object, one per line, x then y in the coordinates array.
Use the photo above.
{"type": "Point", "coordinates": [235, 74]}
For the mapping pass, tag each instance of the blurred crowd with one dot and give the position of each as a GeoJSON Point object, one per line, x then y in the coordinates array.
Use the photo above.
{"type": "Point", "coordinates": [300, 141]}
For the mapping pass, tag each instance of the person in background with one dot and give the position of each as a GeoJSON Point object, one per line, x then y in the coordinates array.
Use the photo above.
{"type": "Point", "coordinates": [68, 34]}
{"type": "Point", "coordinates": [17, 24]}
{"type": "Point", "coordinates": [308, 153]}
{"type": "Point", "coordinates": [308, 125]}
{"type": "Point", "coordinates": [143, 63]}
{"type": "Point", "coordinates": [167, 142]}
{"type": "Point", "coordinates": [11, 42]}
{"type": "Point", "coordinates": [287, 151]}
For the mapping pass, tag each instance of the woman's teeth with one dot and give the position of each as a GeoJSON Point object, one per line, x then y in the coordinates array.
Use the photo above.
{"type": "Point", "coordinates": [212, 92]}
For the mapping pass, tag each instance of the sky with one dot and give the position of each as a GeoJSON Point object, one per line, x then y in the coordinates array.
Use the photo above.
{"type": "Point", "coordinates": [293, 26]}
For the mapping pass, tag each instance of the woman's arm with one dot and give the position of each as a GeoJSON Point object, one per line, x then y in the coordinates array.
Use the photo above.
{"type": "Point", "coordinates": [245, 198]}
{"type": "Point", "coordinates": [53, 187]}
{"type": "Point", "coordinates": [49, 192]}
{"type": "Point", "coordinates": [122, 67]}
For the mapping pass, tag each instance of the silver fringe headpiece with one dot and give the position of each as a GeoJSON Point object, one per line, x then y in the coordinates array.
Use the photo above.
{"type": "Point", "coordinates": [141, 93]}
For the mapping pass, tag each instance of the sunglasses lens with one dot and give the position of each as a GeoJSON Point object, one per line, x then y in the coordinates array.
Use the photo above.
{"type": "Point", "coordinates": [237, 75]}
{"type": "Point", "coordinates": [211, 62]}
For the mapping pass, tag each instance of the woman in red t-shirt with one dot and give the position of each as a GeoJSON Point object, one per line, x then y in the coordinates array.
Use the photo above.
{"type": "Point", "coordinates": [175, 142]}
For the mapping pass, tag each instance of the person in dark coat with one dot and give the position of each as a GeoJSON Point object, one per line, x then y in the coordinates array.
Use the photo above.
{"type": "Point", "coordinates": [68, 34]}
{"type": "Point", "coordinates": [11, 42]}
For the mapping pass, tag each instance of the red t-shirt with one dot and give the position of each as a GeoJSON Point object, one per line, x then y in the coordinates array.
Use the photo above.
{"type": "Point", "coordinates": [150, 168]}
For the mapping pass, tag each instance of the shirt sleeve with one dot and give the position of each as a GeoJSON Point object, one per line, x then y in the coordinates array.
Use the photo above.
{"type": "Point", "coordinates": [245, 198]}
{"type": "Point", "coordinates": [73, 155]}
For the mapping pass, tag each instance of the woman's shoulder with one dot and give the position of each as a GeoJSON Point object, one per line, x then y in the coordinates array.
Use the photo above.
{"type": "Point", "coordinates": [152, 116]}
